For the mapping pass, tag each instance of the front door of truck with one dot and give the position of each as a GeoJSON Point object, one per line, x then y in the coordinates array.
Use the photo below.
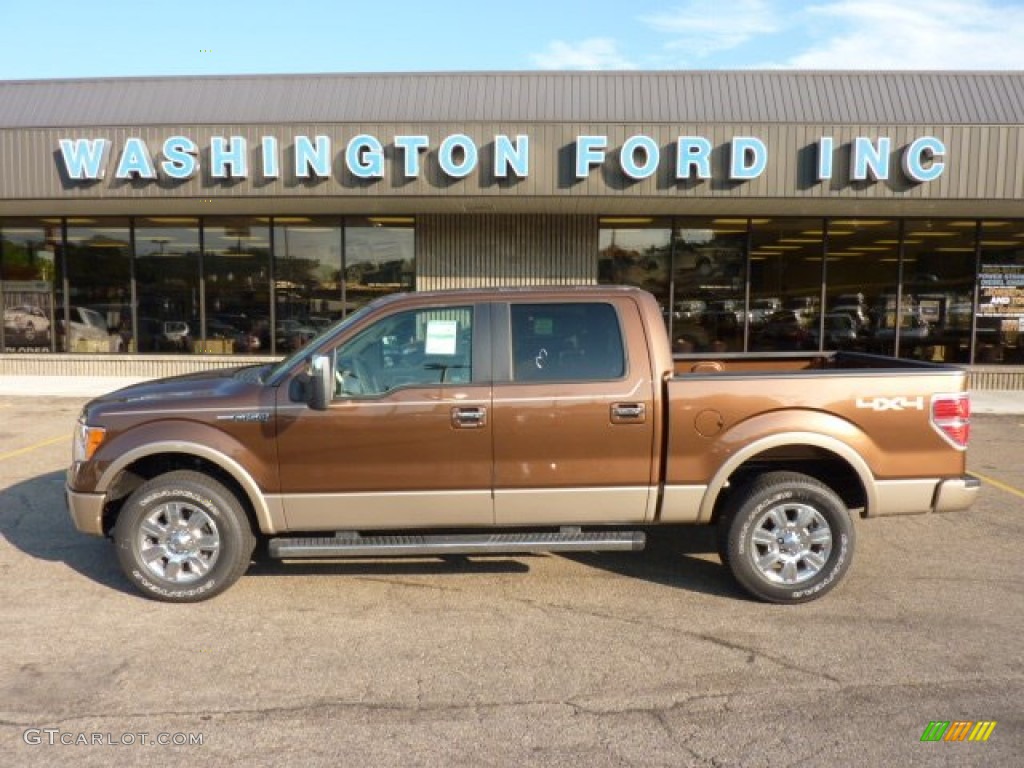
{"type": "Point", "coordinates": [406, 441]}
{"type": "Point", "coordinates": [573, 413]}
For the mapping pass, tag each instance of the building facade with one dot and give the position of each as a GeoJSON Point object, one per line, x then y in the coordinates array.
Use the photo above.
{"type": "Point", "coordinates": [765, 210]}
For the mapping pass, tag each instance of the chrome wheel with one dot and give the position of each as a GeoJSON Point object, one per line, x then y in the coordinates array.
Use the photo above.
{"type": "Point", "coordinates": [178, 542]}
{"type": "Point", "coordinates": [790, 543]}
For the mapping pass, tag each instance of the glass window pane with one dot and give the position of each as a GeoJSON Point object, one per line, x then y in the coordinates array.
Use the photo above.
{"type": "Point", "coordinates": [709, 276]}
{"type": "Point", "coordinates": [167, 283]}
{"type": "Point", "coordinates": [861, 277]}
{"type": "Point", "coordinates": [938, 275]}
{"type": "Point", "coordinates": [98, 301]}
{"type": "Point", "coordinates": [566, 342]}
{"type": "Point", "coordinates": [1000, 295]}
{"type": "Point", "coordinates": [785, 283]}
{"type": "Point", "coordinates": [417, 348]}
{"type": "Point", "coordinates": [28, 248]}
{"type": "Point", "coordinates": [236, 271]}
{"type": "Point", "coordinates": [379, 258]}
{"type": "Point", "coordinates": [636, 251]}
{"type": "Point", "coordinates": [307, 275]}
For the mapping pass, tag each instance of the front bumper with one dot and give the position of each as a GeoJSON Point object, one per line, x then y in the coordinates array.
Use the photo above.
{"type": "Point", "coordinates": [86, 510]}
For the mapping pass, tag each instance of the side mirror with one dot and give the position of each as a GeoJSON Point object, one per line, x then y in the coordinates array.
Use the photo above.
{"type": "Point", "coordinates": [321, 383]}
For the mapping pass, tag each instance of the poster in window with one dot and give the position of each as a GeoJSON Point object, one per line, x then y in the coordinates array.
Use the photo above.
{"type": "Point", "coordinates": [28, 315]}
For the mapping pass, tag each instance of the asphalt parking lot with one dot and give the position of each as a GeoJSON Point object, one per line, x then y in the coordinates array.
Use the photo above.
{"type": "Point", "coordinates": [650, 659]}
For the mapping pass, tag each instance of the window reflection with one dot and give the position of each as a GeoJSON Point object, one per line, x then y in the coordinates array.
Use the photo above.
{"type": "Point", "coordinates": [709, 276]}
{"type": "Point", "coordinates": [785, 283]}
{"type": "Point", "coordinates": [236, 272]}
{"type": "Point", "coordinates": [379, 258]}
{"type": "Point", "coordinates": [95, 290]}
{"type": "Point", "coordinates": [938, 278]}
{"type": "Point", "coordinates": [307, 275]}
{"type": "Point", "coordinates": [167, 275]}
{"type": "Point", "coordinates": [862, 273]}
{"type": "Point", "coordinates": [636, 251]}
{"type": "Point", "coordinates": [27, 271]}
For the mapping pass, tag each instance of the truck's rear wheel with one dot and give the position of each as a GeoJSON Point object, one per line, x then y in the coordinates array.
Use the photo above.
{"type": "Point", "coordinates": [787, 537]}
{"type": "Point", "coordinates": [183, 537]}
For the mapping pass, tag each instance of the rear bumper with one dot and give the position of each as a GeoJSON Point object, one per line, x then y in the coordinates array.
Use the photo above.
{"type": "Point", "coordinates": [915, 497]}
{"type": "Point", "coordinates": [957, 494]}
{"type": "Point", "coordinates": [86, 510]}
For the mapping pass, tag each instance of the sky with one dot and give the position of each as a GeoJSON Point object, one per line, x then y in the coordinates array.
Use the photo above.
{"type": "Point", "coordinates": [120, 38]}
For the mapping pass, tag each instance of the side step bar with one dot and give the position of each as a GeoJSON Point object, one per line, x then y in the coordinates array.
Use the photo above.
{"type": "Point", "coordinates": [354, 545]}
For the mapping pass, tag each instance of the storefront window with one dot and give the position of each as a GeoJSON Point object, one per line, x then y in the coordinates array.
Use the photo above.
{"type": "Point", "coordinates": [786, 278]}
{"type": "Point", "coordinates": [636, 251]}
{"type": "Point", "coordinates": [379, 258]}
{"type": "Point", "coordinates": [861, 276]}
{"type": "Point", "coordinates": [1000, 294]}
{"type": "Point", "coordinates": [167, 283]}
{"type": "Point", "coordinates": [709, 282]}
{"type": "Point", "coordinates": [236, 276]}
{"type": "Point", "coordinates": [938, 281]}
{"type": "Point", "coordinates": [95, 297]}
{"type": "Point", "coordinates": [27, 270]}
{"type": "Point", "coordinates": [307, 277]}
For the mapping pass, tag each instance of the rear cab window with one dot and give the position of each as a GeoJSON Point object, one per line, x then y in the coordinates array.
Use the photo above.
{"type": "Point", "coordinates": [576, 341]}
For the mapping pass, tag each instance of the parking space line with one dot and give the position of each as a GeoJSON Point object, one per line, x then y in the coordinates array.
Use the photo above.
{"type": "Point", "coordinates": [999, 485]}
{"type": "Point", "coordinates": [34, 447]}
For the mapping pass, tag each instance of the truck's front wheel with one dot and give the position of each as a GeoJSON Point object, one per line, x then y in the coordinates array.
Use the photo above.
{"type": "Point", "coordinates": [788, 538]}
{"type": "Point", "coordinates": [183, 537]}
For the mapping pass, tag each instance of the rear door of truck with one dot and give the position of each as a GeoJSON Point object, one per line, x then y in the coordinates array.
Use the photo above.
{"type": "Point", "coordinates": [573, 413]}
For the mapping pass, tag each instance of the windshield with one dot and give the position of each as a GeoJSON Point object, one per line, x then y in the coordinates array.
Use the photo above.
{"type": "Point", "coordinates": [304, 352]}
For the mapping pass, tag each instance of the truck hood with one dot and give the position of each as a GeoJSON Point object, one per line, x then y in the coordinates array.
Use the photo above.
{"type": "Point", "coordinates": [188, 390]}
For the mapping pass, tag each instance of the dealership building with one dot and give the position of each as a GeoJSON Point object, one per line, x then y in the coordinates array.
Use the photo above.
{"type": "Point", "coordinates": [156, 225]}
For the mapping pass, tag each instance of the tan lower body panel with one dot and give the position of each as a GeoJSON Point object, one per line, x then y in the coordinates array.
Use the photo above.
{"type": "Point", "coordinates": [903, 497]}
{"type": "Point", "coordinates": [681, 503]}
{"type": "Point", "coordinates": [574, 506]}
{"type": "Point", "coordinates": [368, 511]}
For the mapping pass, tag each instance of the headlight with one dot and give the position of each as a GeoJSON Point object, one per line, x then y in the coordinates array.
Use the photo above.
{"type": "Point", "coordinates": [87, 440]}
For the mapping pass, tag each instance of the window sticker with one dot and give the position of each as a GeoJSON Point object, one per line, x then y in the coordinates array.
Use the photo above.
{"type": "Point", "coordinates": [441, 337]}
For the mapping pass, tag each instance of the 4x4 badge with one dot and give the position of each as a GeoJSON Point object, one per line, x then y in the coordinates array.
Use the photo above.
{"type": "Point", "coordinates": [891, 403]}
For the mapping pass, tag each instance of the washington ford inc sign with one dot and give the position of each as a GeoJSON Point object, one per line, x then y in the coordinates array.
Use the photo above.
{"type": "Point", "coordinates": [458, 156]}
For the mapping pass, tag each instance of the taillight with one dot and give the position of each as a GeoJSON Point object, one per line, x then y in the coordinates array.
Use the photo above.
{"type": "Point", "coordinates": [951, 416]}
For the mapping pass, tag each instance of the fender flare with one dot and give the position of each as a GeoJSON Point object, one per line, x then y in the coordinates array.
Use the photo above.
{"type": "Point", "coordinates": [781, 440]}
{"type": "Point", "coordinates": [268, 519]}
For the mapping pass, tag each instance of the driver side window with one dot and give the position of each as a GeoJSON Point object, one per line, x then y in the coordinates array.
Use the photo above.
{"type": "Point", "coordinates": [424, 347]}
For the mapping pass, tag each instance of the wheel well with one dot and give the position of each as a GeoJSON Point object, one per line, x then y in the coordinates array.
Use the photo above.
{"type": "Point", "coordinates": [819, 463]}
{"type": "Point", "coordinates": [148, 467]}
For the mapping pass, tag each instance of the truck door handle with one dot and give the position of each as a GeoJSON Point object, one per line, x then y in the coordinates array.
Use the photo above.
{"type": "Point", "coordinates": [469, 418]}
{"type": "Point", "coordinates": [629, 413]}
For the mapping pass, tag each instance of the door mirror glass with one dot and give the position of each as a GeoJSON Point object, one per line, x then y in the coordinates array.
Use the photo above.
{"type": "Point", "coordinates": [321, 381]}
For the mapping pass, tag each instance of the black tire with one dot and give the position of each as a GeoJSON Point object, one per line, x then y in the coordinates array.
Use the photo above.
{"type": "Point", "coordinates": [183, 537]}
{"type": "Point", "coordinates": [787, 538]}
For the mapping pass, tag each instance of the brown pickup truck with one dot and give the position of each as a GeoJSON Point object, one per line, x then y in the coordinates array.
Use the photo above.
{"type": "Point", "coordinates": [516, 421]}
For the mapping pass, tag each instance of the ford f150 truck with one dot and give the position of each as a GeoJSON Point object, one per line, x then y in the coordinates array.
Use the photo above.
{"type": "Point", "coordinates": [516, 421]}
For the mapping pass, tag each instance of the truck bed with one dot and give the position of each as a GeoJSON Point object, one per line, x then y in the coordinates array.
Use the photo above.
{"type": "Point", "coordinates": [791, 362]}
{"type": "Point", "coordinates": [831, 411]}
